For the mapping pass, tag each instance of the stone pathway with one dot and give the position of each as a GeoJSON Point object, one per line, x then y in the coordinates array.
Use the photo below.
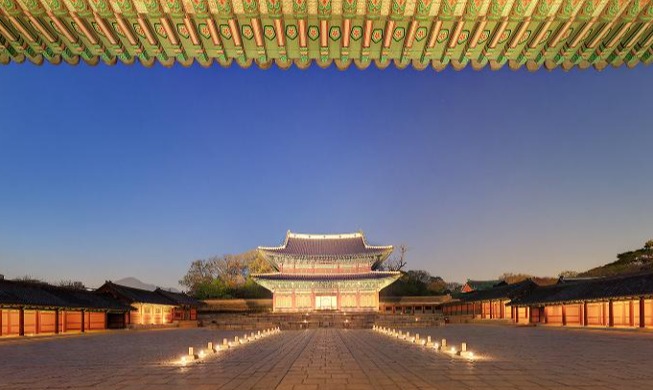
{"type": "Point", "coordinates": [509, 358]}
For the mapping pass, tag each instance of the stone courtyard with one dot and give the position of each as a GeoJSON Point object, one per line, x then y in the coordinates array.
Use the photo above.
{"type": "Point", "coordinates": [507, 358]}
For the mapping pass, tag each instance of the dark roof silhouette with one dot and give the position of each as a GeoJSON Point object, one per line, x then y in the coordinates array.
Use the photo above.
{"type": "Point", "coordinates": [18, 293]}
{"type": "Point", "coordinates": [133, 295]}
{"type": "Point", "coordinates": [504, 291]}
{"type": "Point", "coordinates": [179, 298]}
{"type": "Point", "coordinates": [621, 286]}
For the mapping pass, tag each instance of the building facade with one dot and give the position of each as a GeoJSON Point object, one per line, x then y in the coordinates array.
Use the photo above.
{"type": "Point", "coordinates": [150, 308]}
{"type": "Point", "coordinates": [326, 272]}
{"type": "Point", "coordinates": [624, 301]}
{"type": "Point", "coordinates": [32, 309]}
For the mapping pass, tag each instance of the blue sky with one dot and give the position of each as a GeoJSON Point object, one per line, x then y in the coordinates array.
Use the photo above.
{"type": "Point", "coordinates": [120, 171]}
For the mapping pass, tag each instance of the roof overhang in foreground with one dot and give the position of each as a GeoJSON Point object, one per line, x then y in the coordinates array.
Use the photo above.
{"type": "Point", "coordinates": [421, 33]}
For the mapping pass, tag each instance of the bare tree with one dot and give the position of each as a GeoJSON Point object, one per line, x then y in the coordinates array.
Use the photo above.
{"type": "Point", "coordinates": [72, 284]}
{"type": "Point", "coordinates": [568, 274]}
{"type": "Point", "coordinates": [398, 261]}
{"type": "Point", "coordinates": [29, 279]}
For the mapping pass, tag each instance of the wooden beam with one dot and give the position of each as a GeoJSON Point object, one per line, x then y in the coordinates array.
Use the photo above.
{"type": "Point", "coordinates": [536, 41]}
{"type": "Point", "coordinates": [520, 32]}
{"type": "Point", "coordinates": [83, 320]}
{"type": "Point", "coordinates": [105, 29]}
{"type": "Point", "coordinates": [477, 33]}
{"type": "Point", "coordinates": [453, 40]}
{"type": "Point", "coordinates": [172, 37]}
{"type": "Point", "coordinates": [346, 34]}
{"type": "Point", "coordinates": [302, 41]}
{"type": "Point", "coordinates": [126, 29]}
{"type": "Point", "coordinates": [610, 313]}
{"type": "Point", "coordinates": [497, 34]}
{"type": "Point", "coordinates": [149, 35]}
{"type": "Point", "coordinates": [642, 312]}
{"type": "Point", "coordinates": [367, 33]}
{"type": "Point", "coordinates": [56, 321]}
{"type": "Point", "coordinates": [324, 33]}
{"type": "Point", "coordinates": [215, 37]}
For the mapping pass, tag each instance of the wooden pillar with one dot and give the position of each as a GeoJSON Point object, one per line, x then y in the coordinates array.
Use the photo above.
{"type": "Point", "coordinates": [21, 322]}
{"type": "Point", "coordinates": [106, 320]}
{"type": "Point", "coordinates": [631, 311]}
{"type": "Point", "coordinates": [491, 311]}
{"type": "Point", "coordinates": [642, 312]}
{"type": "Point", "coordinates": [502, 310]}
{"type": "Point", "coordinates": [610, 313]}
{"type": "Point", "coordinates": [83, 320]}
{"type": "Point", "coordinates": [584, 313]}
{"type": "Point", "coordinates": [564, 315]}
{"type": "Point", "coordinates": [37, 322]}
{"type": "Point", "coordinates": [56, 320]}
{"type": "Point", "coordinates": [581, 314]}
{"type": "Point", "coordinates": [0, 322]}
{"type": "Point", "coordinates": [516, 314]}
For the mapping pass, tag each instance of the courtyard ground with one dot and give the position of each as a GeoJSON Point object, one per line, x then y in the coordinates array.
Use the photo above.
{"type": "Point", "coordinates": [508, 358]}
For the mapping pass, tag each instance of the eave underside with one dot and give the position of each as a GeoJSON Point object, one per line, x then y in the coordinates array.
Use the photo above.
{"type": "Point", "coordinates": [334, 284]}
{"type": "Point", "coordinates": [421, 33]}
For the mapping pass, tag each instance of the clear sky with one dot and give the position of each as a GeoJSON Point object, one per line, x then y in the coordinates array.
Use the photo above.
{"type": "Point", "coordinates": [109, 172]}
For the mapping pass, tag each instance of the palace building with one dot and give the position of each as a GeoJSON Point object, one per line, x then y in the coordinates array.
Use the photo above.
{"type": "Point", "coordinates": [326, 272]}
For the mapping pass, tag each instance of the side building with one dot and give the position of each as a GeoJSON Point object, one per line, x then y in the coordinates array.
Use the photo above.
{"type": "Point", "coordinates": [30, 309]}
{"type": "Point", "coordinates": [618, 301]}
{"type": "Point", "coordinates": [149, 308]}
{"type": "Point", "coordinates": [326, 272]}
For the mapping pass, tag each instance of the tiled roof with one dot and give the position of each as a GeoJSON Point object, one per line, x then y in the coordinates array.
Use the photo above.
{"type": "Point", "coordinates": [325, 245]}
{"type": "Point", "coordinates": [320, 277]}
{"type": "Point", "coordinates": [131, 295]}
{"type": "Point", "coordinates": [482, 284]}
{"type": "Point", "coordinates": [622, 286]}
{"type": "Point", "coordinates": [15, 293]}
{"type": "Point", "coordinates": [178, 298]}
{"type": "Point", "coordinates": [504, 291]}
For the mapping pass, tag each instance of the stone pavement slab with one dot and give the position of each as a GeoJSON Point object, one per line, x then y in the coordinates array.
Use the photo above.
{"type": "Point", "coordinates": [508, 358]}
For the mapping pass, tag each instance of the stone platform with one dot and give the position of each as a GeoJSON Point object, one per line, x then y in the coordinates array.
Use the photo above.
{"type": "Point", "coordinates": [296, 321]}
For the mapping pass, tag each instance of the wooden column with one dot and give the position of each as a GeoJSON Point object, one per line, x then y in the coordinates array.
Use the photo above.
{"type": "Point", "coordinates": [516, 314]}
{"type": "Point", "coordinates": [0, 322]}
{"type": "Point", "coordinates": [564, 315]}
{"type": "Point", "coordinates": [21, 322]}
{"type": "Point", "coordinates": [610, 313]}
{"type": "Point", "coordinates": [584, 313]}
{"type": "Point", "coordinates": [631, 312]}
{"type": "Point", "coordinates": [491, 311]}
{"type": "Point", "coordinates": [56, 321]}
{"type": "Point", "coordinates": [642, 312]}
{"type": "Point", "coordinates": [106, 320]}
{"type": "Point", "coordinates": [37, 322]}
{"type": "Point", "coordinates": [83, 320]}
{"type": "Point", "coordinates": [502, 310]}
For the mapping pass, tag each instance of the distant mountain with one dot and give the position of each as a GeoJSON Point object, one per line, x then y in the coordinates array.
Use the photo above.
{"type": "Point", "coordinates": [627, 262]}
{"type": "Point", "coordinates": [135, 283]}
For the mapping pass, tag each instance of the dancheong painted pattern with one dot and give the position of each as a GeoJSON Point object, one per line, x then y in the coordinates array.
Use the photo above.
{"type": "Point", "coordinates": [419, 33]}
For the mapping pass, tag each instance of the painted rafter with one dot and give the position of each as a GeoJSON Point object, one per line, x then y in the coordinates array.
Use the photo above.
{"type": "Point", "coordinates": [530, 33]}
